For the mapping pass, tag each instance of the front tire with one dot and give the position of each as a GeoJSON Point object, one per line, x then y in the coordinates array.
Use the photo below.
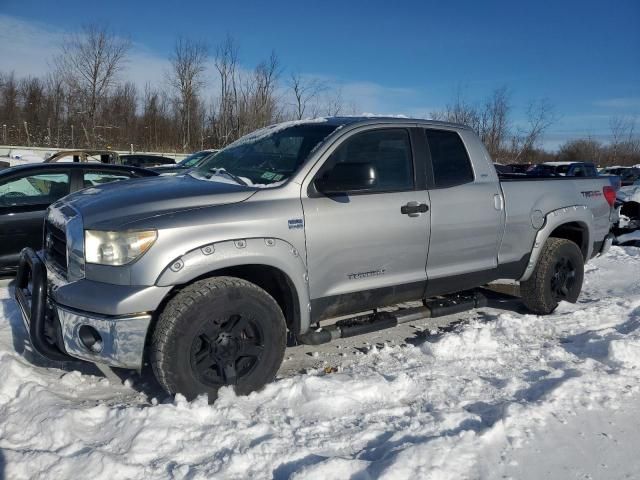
{"type": "Point", "coordinates": [558, 276]}
{"type": "Point", "coordinates": [216, 332]}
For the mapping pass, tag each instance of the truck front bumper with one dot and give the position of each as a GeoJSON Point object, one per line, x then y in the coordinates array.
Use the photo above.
{"type": "Point", "coordinates": [61, 333]}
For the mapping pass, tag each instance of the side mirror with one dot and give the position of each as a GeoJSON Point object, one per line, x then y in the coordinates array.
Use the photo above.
{"type": "Point", "coordinates": [347, 177]}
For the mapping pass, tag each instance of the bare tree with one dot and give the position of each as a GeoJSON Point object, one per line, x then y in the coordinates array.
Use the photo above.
{"type": "Point", "coordinates": [257, 105]}
{"type": "Point", "coordinates": [581, 150]}
{"type": "Point", "coordinates": [226, 63]}
{"type": "Point", "coordinates": [624, 142]}
{"type": "Point", "coordinates": [460, 111]}
{"type": "Point", "coordinates": [540, 116]}
{"type": "Point", "coordinates": [334, 103]}
{"type": "Point", "coordinates": [89, 62]}
{"type": "Point", "coordinates": [266, 77]}
{"type": "Point", "coordinates": [305, 93]}
{"type": "Point", "coordinates": [494, 122]}
{"type": "Point", "coordinates": [186, 78]}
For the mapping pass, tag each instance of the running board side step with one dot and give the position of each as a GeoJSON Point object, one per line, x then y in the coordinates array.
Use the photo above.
{"type": "Point", "coordinates": [439, 307]}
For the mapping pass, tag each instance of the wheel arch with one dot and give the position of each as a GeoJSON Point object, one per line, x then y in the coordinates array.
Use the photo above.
{"type": "Point", "coordinates": [576, 232]}
{"type": "Point", "coordinates": [272, 264]}
{"type": "Point", "coordinates": [574, 223]}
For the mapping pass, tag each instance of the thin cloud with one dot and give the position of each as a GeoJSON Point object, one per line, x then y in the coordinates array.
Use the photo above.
{"type": "Point", "coordinates": [620, 103]}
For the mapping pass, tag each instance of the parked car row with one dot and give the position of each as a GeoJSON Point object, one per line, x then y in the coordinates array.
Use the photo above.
{"type": "Point", "coordinates": [23, 157]}
{"type": "Point", "coordinates": [111, 157]}
{"type": "Point", "coordinates": [628, 175]}
{"type": "Point", "coordinates": [550, 169]}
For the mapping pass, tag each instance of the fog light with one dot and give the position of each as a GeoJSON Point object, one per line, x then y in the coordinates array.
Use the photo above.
{"type": "Point", "coordinates": [90, 338]}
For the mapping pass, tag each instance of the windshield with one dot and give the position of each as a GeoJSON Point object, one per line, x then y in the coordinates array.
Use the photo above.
{"type": "Point", "coordinates": [268, 156]}
{"type": "Point", "coordinates": [193, 159]}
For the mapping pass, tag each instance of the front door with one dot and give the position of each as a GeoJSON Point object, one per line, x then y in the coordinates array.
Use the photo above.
{"type": "Point", "coordinates": [366, 247]}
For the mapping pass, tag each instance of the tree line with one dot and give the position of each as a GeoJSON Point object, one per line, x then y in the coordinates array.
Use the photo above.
{"type": "Point", "coordinates": [82, 102]}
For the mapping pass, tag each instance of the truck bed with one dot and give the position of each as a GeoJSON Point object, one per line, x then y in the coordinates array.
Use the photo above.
{"type": "Point", "coordinates": [525, 197]}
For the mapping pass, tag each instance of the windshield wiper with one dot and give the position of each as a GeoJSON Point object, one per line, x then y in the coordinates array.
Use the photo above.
{"type": "Point", "coordinates": [222, 171]}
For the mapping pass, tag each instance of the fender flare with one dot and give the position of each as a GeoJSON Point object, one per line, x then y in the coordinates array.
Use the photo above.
{"type": "Point", "coordinates": [268, 251]}
{"type": "Point", "coordinates": [554, 219]}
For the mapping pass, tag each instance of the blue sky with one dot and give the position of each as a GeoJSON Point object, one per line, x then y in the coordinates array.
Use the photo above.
{"type": "Point", "coordinates": [388, 57]}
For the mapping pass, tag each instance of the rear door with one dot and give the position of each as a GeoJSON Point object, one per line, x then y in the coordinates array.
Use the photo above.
{"type": "Point", "coordinates": [24, 199]}
{"type": "Point", "coordinates": [364, 248]}
{"type": "Point", "coordinates": [466, 216]}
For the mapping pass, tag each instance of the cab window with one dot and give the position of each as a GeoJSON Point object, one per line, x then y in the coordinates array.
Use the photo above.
{"type": "Point", "coordinates": [388, 151]}
{"type": "Point", "coordinates": [451, 164]}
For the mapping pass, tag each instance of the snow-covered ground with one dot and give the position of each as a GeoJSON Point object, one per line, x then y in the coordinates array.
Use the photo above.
{"type": "Point", "coordinates": [501, 394]}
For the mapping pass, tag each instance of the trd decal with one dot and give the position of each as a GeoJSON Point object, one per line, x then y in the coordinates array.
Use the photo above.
{"type": "Point", "coordinates": [591, 194]}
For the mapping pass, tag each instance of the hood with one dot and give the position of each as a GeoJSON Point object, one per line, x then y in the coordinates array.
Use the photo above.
{"type": "Point", "coordinates": [117, 204]}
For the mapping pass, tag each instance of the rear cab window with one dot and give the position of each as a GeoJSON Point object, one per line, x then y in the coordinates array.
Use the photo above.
{"type": "Point", "coordinates": [449, 159]}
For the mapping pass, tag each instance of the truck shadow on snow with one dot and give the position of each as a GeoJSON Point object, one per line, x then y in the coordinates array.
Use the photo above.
{"type": "Point", "coordinates": [595, 344]}
{"type": "Point", "coordinates": [496, 300]}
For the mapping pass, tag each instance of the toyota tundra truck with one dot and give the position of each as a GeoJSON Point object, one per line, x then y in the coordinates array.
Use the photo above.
{"type": "Point", "coordinates": [209, 275]}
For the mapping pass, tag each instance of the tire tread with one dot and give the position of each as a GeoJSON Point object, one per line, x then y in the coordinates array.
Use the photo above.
{"type": "Point", "coordinates": [168, 324]}
{"type": "Point", "coordinates": [531, 290]}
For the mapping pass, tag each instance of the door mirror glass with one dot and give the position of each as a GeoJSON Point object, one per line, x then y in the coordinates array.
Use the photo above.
{"type": "Point", "coordinates": [348, 177]}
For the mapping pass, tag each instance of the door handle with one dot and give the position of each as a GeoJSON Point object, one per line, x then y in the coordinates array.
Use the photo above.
{"type": "Point", "coordinates": [414, 209]}
{"type": "Point", "coordinates": [498, 203]}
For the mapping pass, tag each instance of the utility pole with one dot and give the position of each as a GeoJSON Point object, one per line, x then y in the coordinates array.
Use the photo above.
{"type": "Point", "coordinates": [26, 130]}
{"type": "Point", "coordinates": [71, 136]}
{"type": "Point", "coordinates": [4, 133]}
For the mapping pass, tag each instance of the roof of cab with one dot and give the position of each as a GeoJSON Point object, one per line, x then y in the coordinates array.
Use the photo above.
{"type": "Point", "coordinates": [372, 119]}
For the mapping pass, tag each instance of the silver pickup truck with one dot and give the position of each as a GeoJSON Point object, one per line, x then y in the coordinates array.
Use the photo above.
{"type": "Point", "coordinates": [209, 274]}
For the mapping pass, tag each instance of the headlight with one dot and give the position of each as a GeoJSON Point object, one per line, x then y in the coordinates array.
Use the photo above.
{"type": "Point", "coordinates": [116, 248]}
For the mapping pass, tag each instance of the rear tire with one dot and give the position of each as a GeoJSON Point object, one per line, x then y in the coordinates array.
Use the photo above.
{"type": "Point", "coordinates": [557, 276]}
{"type": "Point", "coordinates": [215, 332]}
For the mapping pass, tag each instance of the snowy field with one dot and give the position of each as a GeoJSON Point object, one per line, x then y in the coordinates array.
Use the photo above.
{"type": "Point", "coordinates": [500, 394]}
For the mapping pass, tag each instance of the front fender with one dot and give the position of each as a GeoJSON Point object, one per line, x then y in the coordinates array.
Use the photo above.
{"type": "Point", "coordinates": [574, 214]}
{"type": "Point", "coordinates": [273, 252]}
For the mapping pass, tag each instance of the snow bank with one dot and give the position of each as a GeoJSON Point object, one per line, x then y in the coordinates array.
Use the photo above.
{"type": "Point", "coordinates": [451, 405]}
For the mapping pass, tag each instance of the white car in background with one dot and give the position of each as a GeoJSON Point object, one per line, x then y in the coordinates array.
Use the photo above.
{"type": "Point", "coordinates": [23, 157]}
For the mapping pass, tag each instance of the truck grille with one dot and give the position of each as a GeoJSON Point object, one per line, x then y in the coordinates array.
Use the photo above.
{"type": "Point", "coordinates": [55, 245]}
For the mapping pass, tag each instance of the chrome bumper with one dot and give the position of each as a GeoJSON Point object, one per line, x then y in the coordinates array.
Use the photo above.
{"type": "Point", "coordinates": [118, 342]}
{"type": "Point", "coordinates": [59, 333]}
